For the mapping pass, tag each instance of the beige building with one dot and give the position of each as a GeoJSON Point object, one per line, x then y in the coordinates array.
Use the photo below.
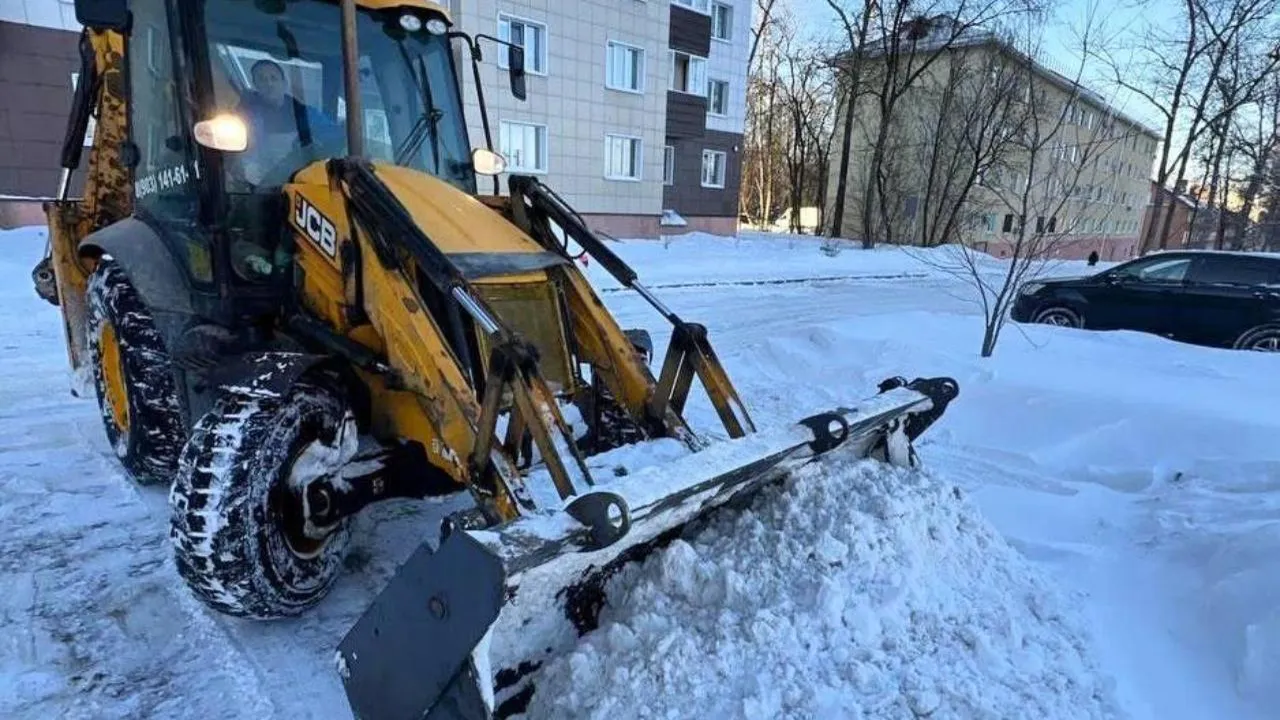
{"type": "Point", "coordinates": [635, 110]}
{"type": "Point", "coordinates": [1030, 144]}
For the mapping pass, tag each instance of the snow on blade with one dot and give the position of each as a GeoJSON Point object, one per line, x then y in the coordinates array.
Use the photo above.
{"type": "Point", "coordinates": [857, 591]}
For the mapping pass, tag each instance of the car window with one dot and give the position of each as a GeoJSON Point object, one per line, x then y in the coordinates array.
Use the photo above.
{"type": "Point", "coordinates": [1156, 270]}
{"type": "Point", "coordinates": [1236, 271]}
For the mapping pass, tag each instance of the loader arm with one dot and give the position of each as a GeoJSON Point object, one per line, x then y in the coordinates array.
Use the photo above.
{"type": "Point", "coordinates": [62, 277]}
{"type": "Point", "coordinates": [394, 250]}
{"type": "Point", "coordinates": [535, 208]}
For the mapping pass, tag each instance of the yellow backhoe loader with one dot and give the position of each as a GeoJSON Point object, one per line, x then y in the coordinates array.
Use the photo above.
{"type": "Point", "coordinates": [293, 302]}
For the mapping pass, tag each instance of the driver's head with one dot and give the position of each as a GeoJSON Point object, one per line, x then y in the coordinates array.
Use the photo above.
{"type": "Point", "coordinates": [268, 80]}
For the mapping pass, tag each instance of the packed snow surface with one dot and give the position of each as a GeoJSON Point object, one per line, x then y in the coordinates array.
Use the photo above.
{"type": "Point", "coordinates": [1097, 531]}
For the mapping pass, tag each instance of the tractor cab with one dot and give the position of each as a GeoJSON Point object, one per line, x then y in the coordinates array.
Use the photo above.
{"type": "Point", "coordinates": [229, 99]}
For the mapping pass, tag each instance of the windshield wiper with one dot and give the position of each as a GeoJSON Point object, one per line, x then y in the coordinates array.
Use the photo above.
{"type": "Point", "coordinates": [427, 122]}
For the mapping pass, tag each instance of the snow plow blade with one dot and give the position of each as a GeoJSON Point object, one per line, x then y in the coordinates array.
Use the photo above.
{"type": "Point", "coordinates": [409, 658]}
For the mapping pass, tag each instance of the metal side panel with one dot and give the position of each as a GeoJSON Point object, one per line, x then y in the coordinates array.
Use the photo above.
{"type": "Point", "coordinates": [410, 653]}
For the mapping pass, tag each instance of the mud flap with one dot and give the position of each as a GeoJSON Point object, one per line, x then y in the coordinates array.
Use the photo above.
{"type": "Point", "coordinates": [409, 655]}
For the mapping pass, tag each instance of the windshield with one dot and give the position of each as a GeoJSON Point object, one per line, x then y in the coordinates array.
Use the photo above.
{"type": "Point", "coordinates": [282, 74]}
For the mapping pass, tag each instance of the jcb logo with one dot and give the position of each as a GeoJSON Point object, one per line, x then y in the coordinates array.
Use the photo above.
{"type": "Point", "coordinates": [316, 226]}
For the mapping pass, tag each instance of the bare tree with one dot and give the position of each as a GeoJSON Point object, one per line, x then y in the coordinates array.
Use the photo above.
{"type": "Point", "coordinates": [855, 21]}
{"type": "Point", "coordinates": [1177, 71]}
{"type": "Point", "coordinates": [1010, 147]}
{"type": "Point", "coordinates": [1256, 141]}
{"type": "Point", "coordinates": [763, 167]}
{"type": "Point", "coordinates": [789, 108]}
{"type": "Point", "coordinates": [898, 44]}
{"type": "Point", "coordinates": [807, 98]}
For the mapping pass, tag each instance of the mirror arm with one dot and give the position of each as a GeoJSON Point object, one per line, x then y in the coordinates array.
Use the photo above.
{"type": "Point", "coordinates": [474, 47]}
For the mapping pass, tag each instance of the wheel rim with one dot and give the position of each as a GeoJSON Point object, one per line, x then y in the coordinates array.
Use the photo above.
{"type": "Point", "coordinates": [1058, 318]}
{"type": "Point", "coordinates": [117, 396]}
{"type": "Point", "coordinates": [1267, 343]}
{"type": "Point", "coordinates": [310, 461]}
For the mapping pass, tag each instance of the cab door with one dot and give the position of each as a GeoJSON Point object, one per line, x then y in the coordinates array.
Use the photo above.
{"type": "Point", "coordinates": [1142, 295]}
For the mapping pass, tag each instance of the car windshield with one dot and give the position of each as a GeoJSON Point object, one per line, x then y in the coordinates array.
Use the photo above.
{"type": "Point", "coordinates": [281, 72]}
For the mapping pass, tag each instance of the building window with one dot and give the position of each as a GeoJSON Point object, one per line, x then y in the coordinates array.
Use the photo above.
{"type": "Point", "coordinates": [702, 6]}
{"type": "Point", "coordinates": [721, 21]}
{"type": "Point", "coordinates": [718, 97]}
{"type": "Point", "coordinates": [688, 73]}
{"type": "Point", "coordinates": [524, 145]}
{"type": "Point", "coordinates": [529, 35]}
{"type": "Point", "coordinates": [713, 168]}
{"type": "Point", "coordinates": [622, 157]}
{"type": "Point", "coordinates": [668, 165]}
{"type": "Point", "coordinates": [624, 67]}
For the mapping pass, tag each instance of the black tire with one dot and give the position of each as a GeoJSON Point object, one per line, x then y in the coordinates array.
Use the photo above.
{"type": "Point", "coordinates": [1264, 338]}
{"type": "Point", "coordinates": [1059, 316]}
{"type": "Point", "coordinates": [121, 330]}
{"type": "Point", "coordinates": [230, 523]}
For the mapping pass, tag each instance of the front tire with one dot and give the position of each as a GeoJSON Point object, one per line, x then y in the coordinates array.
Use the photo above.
{"type": "Point", "coordinates": [1264, 338]}
{"type": "Point", "coordinates": [235, 524]}
{"type": "Point", "coordinates": [133, 375]}
{"type": "Point", "coordinates": [1059, 316]}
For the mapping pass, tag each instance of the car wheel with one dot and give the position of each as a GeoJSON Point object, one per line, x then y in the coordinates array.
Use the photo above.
{"type": "Point", "coordinates": [1264, 338]}
{"type": "Point", "coordinates": [1059, 316]}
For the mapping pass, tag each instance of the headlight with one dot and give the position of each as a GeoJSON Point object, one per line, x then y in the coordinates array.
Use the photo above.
{"type": "Point", "coordinates": [410, 22]}
{"type": "Point", "coordinates": [1031, 288]}
{"type": "Point", "coordinates": [436, 26]}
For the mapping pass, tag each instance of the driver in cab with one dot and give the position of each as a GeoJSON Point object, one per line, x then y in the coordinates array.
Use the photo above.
{"type": "Point", "coordinates": [278, 123]}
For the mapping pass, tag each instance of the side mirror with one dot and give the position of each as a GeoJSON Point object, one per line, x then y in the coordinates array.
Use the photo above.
{"type": "Point", "coordinates": [487, 162]}
{"type": "Point", "coordinates": [103, 14]}
{"type": "Point", "coordinates": [515, 65]}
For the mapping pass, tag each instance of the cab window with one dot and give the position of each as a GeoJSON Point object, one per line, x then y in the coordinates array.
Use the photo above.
{"type": "Point", "coordinates": [1156, 270]}
{"type": "Point", "coordinates": [164, 181]}
{"type": "Point", "coordinates": [1235, 270]}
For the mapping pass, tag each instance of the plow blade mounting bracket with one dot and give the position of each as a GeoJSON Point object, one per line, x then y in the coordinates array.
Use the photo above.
{"type": "Point", "coordinates": [606, 514]}
{"type": "Point", "coordinates": [409, 655]}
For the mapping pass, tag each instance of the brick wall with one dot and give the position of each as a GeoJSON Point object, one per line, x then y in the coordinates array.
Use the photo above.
{"type": "Point", "coordinates": [36, 64]}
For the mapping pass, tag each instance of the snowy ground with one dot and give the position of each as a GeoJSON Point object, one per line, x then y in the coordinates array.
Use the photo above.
{"type": "Point", "coordinates": [1096, 533]}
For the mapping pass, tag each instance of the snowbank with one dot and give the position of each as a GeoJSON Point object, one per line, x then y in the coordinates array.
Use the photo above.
{"type": "Point", "coordinates": [700, 259]}
{"type": "Point", "coordinates": [859, 591]}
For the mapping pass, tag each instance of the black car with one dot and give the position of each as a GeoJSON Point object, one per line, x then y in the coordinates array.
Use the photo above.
{"type": "Point", "coordinates": [1222, 299]}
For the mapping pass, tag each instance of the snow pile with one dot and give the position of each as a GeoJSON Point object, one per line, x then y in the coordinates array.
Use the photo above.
{"type": "Point", "coordinates": [699, 259]}
{"type": "Point", "coordinates": [858, 591]}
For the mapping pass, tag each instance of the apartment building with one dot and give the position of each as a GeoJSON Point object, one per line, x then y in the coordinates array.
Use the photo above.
{"type": "Point", "coordinates": [1082, 165]}
{"type": "Point", "coordinates": [39, 63]}
{"type": "Point", "coordinates": [635, 108]}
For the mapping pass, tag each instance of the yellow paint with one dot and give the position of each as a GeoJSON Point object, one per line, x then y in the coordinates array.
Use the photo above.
{"type": "Point", "coordinates": [436, 406]}
{"type": "Point", "coordinates": [108, 196]}
{"type": "Point", "coordinates": [428, 5]}
{"type": "Point", "coordinates": [455, 221]}
{"type": "Point", "coordinates": [323, 290]}
{"type": "Point", "coordinates": [113, 377]}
